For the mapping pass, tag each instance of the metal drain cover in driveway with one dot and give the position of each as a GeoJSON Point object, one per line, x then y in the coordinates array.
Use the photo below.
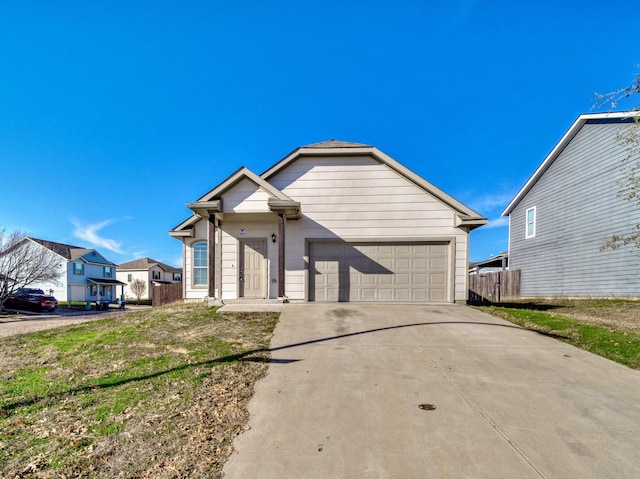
{"type": "Point", "coordinates": [427, 407]}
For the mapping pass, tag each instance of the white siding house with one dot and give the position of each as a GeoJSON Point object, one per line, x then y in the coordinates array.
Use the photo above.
{"type": "Point", "coordinates": [85, 275]}
{"type": "Point", "coordinates": [150, 271]}
{"type": "Point", "coordinates": [559, 220]}
{"type": "Point", "coordinates": [332, 221]}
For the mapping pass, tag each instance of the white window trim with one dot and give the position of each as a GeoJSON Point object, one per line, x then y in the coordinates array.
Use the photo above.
{"type": "Point", "coordinates": [526, 223]}
{"type": "Point", "coordinates": [206, 267]}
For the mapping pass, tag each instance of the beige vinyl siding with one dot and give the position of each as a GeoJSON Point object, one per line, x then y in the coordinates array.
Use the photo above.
{"type": "Point", "coordinates": [253, 229]}
{"type": "Point", "coordinates": [361, 198]}
{"type": "Point", "coordinates": [577, 207]}
{"type": "Point", "coordinates": [246, 196]}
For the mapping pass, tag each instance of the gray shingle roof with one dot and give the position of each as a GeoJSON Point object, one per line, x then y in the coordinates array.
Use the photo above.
{"type": "Point", "coordinates": [65, 250]}
{"type": "Point", "coordinates": [145, 264]}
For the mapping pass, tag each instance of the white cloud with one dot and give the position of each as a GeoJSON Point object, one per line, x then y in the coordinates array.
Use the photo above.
{"type": "Point", "coordinates": [499, 222]}
{"type": "Point", "coordinates": [490, 202]}
{"type": "Point", "coordinates": [89, 232]}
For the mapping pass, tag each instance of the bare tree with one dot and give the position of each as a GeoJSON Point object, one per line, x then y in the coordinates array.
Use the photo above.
{"type": "Point", "coordinates": [138, 287]}
{"type": "Point", "coordinates": [629, 138]}
{"type": "Point", "coordinates": [612, 99]}
{"type": "Point", "coordinates": [24, 262]}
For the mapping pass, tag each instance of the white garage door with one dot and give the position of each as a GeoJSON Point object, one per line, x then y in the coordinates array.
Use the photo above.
{"type": "Point", "coordinates": [379, 271]}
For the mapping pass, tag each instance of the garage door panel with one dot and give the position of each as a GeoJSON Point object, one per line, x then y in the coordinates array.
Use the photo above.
{"type": "Point", "coordinates": [369, 280]}
{"type": "Point", "coordinates": [402, 264]}
{"type": "Point", "coordinates": [379, 272]}
{"type": "Point", "coordinates": [420, 263]}
{"type": "Point", "coordinates": [383, 294]}
{"type": "Point", "coordinates": [420, 279]}
{"type": "Point", "coordinates": [437, 263]}
{"type": "Point", "coordinates": [368, 294]}
{"type": "Point", "coordinates": [437, 295]}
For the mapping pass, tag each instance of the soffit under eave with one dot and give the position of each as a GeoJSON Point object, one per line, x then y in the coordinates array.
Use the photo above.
{"type": "Point", "coordinates": [182, 234]}
{"type": "Point", "coordinates": [186, 228]}
{"type": "Point", "coordinates": [204, 209]}
{"type": "Point", "coordinates": [471, 222]}
{"type": "Point", "coordinates": [289, 208]}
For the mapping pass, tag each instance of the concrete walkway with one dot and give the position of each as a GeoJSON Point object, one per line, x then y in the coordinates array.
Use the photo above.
{"type": "Point", "coordinates": [438, 391]}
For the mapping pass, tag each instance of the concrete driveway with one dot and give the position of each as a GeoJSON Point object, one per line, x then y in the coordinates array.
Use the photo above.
{"type": "Point", "coordinates": [434, 391]}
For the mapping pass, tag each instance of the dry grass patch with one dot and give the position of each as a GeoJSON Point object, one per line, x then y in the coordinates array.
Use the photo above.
{"type": "Point", "coordinates": [153, 394]}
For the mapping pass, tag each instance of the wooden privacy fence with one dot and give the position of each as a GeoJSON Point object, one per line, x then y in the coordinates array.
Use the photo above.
{"type": "Point", "coordinates": [167, 293]}
{"type": "Point", "coordinates": [495, 286]}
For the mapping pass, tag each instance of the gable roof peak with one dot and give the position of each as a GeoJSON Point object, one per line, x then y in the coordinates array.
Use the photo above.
{"type": "Point", "coordinates": [337, 144]}
{"type": "Point", "coordinates": [592, 118]}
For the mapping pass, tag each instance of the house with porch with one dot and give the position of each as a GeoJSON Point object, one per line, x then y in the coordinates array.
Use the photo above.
{"type": "Point", "coordinates": [151, 271]}
{"type": "Point", "coordinates": [332, 221]}
{"type": "Point", "coordinates": [85, 274]}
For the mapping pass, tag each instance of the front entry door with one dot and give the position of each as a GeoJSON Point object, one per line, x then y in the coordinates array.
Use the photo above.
{"type": "Point", "coordinates": [252, 268]}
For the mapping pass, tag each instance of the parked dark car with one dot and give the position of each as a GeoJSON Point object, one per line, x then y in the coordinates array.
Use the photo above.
{"type": "Point", "coordinates": [31, 302]}
{"type": "Point", "coordinates": [23, 291]}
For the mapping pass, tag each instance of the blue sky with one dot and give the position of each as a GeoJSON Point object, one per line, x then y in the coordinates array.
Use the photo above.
{"type": "Point", "coordinates": [114, 115]}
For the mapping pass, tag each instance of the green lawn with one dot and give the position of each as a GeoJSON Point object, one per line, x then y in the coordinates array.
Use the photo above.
{"type": "Point", "coordinates": [136, 395]}
{"type": "Point", "coordinates": [609, 328]}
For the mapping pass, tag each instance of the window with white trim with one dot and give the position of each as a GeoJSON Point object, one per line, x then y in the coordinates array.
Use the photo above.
{"type": "Point", "coordinates": [200, 270]}
{"type": "Point", "coordinates": [78, 269]}
{"type": "Point", "coordinates": [530, 230]}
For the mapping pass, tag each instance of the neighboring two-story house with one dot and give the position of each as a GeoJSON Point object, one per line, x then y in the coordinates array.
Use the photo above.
{"type": "Point", "coordinates": [560, 219]}
{"type": "Point", "coordinates": [85, 275]}
{"type": "Point", "coordinates": [150, 271]}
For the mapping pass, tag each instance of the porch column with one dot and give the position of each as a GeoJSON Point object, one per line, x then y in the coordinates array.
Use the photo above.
{"type": "Point", "coordinates": [281, 240]}
{"type": "Point", "coordinates": [211, 260]}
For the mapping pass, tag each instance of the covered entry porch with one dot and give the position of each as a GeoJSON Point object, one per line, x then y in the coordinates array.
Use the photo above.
{"type": "Point", "coordinates": [246, 231]}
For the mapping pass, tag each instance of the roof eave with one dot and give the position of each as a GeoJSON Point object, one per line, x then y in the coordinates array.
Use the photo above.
{"type": "Point", "coordinates": [182, 233]}
{"type": "Point", "coordinates": [471, 222]}
{"type": "Point", "coordinates": [206, 208]}
{"type": "Point", "coordinates": [289, 208]}
{"type": "Point", "coordinates": [559, 147]}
